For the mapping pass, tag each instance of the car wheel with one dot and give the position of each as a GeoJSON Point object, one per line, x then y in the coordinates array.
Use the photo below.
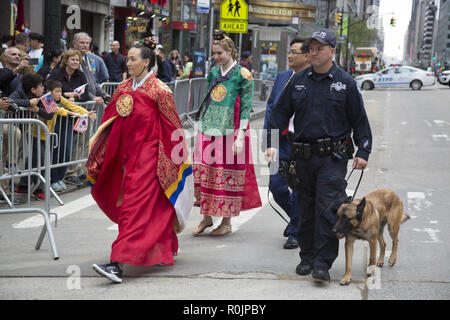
{"type": "Point", "coordinates": [416, 85]}
{"type": "Point", "coordinates": [367, 85]}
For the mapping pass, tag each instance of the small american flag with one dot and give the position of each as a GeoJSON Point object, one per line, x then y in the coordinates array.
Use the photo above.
{"type": "Point", "coordinates": [81, 124]}
{"type": "Point", "coordinates": [49, 103]}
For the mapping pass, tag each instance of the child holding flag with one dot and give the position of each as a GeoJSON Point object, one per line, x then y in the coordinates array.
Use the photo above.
{"type": "Point", "coordinates": [64, 150]}
{"type": "Point", "coordinates": [29, 97]}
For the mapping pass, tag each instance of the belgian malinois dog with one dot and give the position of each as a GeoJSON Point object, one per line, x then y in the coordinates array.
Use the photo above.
{"type": "Point", "coordinates": [365, 219]}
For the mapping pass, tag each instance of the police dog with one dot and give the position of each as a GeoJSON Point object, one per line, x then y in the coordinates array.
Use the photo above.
{"type": "Point", "coordinates": [365, 219]}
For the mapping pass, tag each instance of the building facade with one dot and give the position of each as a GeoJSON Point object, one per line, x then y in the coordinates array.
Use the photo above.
{"type": "Point", "coordinates": [428, 33]}
{"type": "Point", "coordinates": [90, 18]}
{"type": "Point", "coordinates": [442, 45]}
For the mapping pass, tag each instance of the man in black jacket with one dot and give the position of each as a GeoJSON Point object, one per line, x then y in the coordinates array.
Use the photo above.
{"type": "Point", "coordinates": [116, 64]}
{"type": "Point", "coordinates": [328, 110]}
{"type": "Point", "coordinates": [165, 74]}
{"type": "Point", "coordinates": [11, 73]}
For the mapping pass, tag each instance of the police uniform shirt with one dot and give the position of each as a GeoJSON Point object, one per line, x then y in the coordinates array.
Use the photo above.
{"type": "Point", "coordinates": [326, 105]}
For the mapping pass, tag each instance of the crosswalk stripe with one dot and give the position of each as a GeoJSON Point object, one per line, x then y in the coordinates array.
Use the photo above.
{"type": "Point", "coordinates": [63, 211]}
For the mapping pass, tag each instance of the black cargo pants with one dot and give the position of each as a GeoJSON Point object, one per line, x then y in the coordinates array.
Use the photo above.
{"type": "Point", "coordinates": [325, 179]}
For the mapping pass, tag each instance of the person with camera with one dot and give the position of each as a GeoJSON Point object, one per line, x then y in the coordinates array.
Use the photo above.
{"type": "Point", "coordinates": [11, 73]}
{"type": "Point", "coordinates": [328, 108]}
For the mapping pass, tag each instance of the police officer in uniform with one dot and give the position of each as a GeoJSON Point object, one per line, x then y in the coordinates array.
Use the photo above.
{"type": "Point", "coordinates": [328, 108]}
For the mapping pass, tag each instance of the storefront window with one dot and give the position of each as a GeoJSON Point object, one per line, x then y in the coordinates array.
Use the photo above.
{"type": "Point", "coordinates": [137, 29]}
{"type": "Point", "coordinates": [268, 61]}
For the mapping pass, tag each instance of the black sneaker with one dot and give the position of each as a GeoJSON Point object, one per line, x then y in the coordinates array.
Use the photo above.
{"type": "Point", "coordinates": [74, 181]}
{"type": "Point", "coordinates": [291, 243]}
{"type": "Point", "coordinates": [320, 275]}
{"type": "Point", "coordinates": [110, 271]}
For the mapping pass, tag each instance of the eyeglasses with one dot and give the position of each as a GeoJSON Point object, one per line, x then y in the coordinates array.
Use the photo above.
{"type": "Point", "coordinates": [295, 52]}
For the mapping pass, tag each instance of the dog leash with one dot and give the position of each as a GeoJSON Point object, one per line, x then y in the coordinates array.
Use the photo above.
{"type": "Point", "coordinates": [359, 181]}
{"type": "Point", "coordinates": [268, 199]}
{"type": "Point", "coordinates": [346, 180]}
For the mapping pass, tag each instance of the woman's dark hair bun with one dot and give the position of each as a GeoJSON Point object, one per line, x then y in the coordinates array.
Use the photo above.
{"type": "Point", "coordinates": [149, 43]}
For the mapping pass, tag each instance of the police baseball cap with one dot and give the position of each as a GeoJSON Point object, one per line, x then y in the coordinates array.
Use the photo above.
{"type": "Point", "coordinates": [325, 36]}
{"type": "Point", "coordinates": [246, 54]}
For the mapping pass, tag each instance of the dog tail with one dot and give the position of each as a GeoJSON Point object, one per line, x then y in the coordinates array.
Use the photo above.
{"type": "Point", "coordinates": [405, 217]}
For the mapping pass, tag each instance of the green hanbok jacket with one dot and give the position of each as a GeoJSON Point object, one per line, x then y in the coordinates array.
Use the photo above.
{"type": "Point", "coordinates": [218, 120]}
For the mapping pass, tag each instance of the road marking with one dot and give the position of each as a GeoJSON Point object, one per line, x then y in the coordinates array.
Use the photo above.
{"type": "Point", "coordinates": [417, 202]}
{"type": "Point", "coordinates": [431, 232]}
{"type": "Point", "coordinates": [437, 137]}
{"type": "Point", "coordinates": [441, 123]}
{"type": "Point", "coordinates": [428, 123]}
{"type": "Point", "coordinates": [63, 211]}
{"type": "Point", "coordinates": [238, 221]}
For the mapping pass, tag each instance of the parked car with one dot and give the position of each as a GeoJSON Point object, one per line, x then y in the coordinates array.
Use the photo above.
{"type": "Point", "coordinates": [397, 77]}
{"type": "Point", "coordinates": [444, 77]}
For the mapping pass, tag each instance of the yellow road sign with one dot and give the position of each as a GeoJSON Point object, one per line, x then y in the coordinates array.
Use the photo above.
{"type": "Point", "coordinates": [233, 10]}
{"type": "Point", "coordinates": [233, 26]}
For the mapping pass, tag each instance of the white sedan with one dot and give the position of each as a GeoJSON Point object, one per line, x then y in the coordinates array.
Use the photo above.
{"type": "Point", "coordinates": [397, 77]}
{"type": "Point", "coordinates": [444, 77]}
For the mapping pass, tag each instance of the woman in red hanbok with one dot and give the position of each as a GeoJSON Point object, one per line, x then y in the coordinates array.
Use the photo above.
{"type": "Point", "coordinates": [137, 182]}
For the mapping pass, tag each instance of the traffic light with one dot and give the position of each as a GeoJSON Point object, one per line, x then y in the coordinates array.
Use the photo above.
{"type": "Point", "coordinates": [338, 18]}
{"type": "Point", "coordinates": [393, 22]}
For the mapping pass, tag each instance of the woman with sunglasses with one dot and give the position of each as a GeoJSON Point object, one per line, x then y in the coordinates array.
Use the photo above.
{"type": "Point", "coordinates": [224, 176]}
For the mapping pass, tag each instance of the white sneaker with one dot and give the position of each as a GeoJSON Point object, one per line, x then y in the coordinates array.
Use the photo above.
{"type": "Point", "coordinates": [56, 187]}
{"type": "Point", "coordinates": [63, 185]}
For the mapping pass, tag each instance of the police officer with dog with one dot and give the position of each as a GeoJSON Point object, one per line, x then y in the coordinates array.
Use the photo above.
{"type": "Point", "coordinates": [328, 109]}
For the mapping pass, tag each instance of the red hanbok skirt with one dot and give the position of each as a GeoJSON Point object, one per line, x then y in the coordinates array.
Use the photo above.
{"type": "Point", "coordinates": [225, 184]}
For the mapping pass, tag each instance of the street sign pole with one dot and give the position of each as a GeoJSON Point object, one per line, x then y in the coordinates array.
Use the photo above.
{"type": "Point", "coordinates": [211, 30]}
{"type": "Point", "coordinates": [52, 25]}
{"type": "Point", "coordinates": [240, 47]}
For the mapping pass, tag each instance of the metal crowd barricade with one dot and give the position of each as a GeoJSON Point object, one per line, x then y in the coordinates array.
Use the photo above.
{"type": "Point", "coordinates": [19, 134]}
{"type": "Point", "coordinates": [171, 85]}
{"type": "Point", "coordinates": [197, 93]}
{"type": "Point", "coordinates": [73, 147]}
{"type": "Point", "coordinates": [109, 87]}
{"type": "Point", "coordinates": [181, 97]}
{"type": "Point", "coordinates": [261, 91]}
{"type": "Point", "coordinates": [24, 162]}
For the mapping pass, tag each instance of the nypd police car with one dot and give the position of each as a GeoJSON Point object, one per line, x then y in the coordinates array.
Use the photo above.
{"type": "Point", "coordinates": [397, 77]}
{"type": "Point", "coordinates": [444, 77]}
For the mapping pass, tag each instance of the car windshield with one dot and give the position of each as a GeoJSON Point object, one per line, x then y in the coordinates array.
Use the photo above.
{"type": "Point", "coordinates": [387, 71]}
